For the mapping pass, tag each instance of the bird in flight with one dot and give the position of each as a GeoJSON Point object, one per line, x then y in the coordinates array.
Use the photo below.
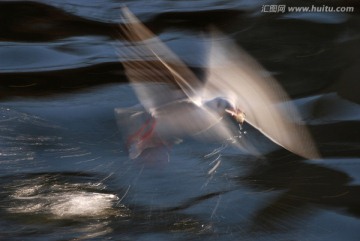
{"type": "Point", "coordinates": [175, 103]}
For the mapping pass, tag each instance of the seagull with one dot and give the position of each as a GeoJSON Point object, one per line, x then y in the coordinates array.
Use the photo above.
{"type": "Point", "coordinates": [175, 103]}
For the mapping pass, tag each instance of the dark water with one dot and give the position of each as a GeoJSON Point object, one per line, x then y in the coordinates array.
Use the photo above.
{"type": "Point", "coordinates": [65, 176]}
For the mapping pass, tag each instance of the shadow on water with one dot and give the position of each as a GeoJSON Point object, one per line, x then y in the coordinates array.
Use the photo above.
{"type": "Point", "coordinates": [306, 188]}
{"type": "Point", "coordinates": [37, 22]}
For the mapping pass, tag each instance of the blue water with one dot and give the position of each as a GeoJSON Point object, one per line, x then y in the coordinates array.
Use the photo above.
{"type": "Point", "coordinates": [65, 174]}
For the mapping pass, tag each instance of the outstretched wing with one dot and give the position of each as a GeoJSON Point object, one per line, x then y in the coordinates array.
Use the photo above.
{"type": "Point", "coordinates": [157, 74]}
{"type": "Point", "coordinates": [234, 74]}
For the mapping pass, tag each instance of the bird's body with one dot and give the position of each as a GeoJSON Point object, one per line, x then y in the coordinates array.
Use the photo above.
{"type": "Point", "coordinates": [170, 123]}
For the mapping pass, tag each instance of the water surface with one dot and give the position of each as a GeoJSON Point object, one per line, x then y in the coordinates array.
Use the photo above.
{"type": "Point", "coordinates": [65, 175]}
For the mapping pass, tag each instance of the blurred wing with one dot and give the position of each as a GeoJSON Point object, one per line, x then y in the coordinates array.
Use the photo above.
{"type": "Point", "coordinates": [234, 74]}
{"type": "Point", "coordinates": [157, 74]}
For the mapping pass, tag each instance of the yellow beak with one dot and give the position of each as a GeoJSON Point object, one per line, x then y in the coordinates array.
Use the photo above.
{"type": "Point", "coordinates": [237, 114]}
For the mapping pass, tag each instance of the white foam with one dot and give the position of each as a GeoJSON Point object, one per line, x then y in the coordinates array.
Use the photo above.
{"type": "Point", "coordinates": [83, 204]}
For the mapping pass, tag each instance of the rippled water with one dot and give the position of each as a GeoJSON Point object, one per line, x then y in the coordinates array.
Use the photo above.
{"type": "Point", "coordinates": [64, 174]}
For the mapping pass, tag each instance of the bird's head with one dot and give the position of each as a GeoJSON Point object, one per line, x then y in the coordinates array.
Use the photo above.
{"type": "Point", "coordinates": [224, 107]}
